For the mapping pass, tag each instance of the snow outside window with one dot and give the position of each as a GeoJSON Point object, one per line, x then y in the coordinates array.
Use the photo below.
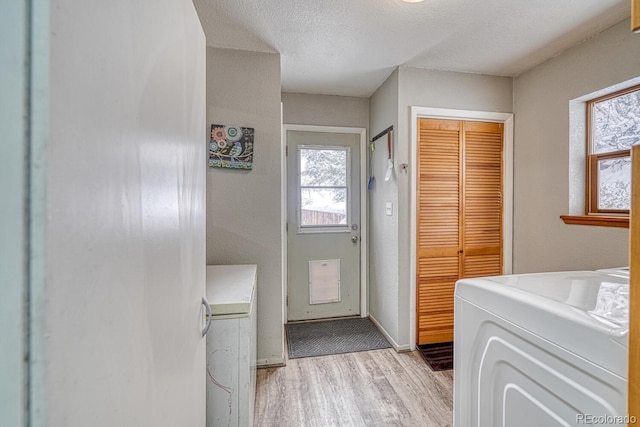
{"type": "Point", "coordinates": [614, 126]}
{"type": "Point", "coordinates": [324, 188]}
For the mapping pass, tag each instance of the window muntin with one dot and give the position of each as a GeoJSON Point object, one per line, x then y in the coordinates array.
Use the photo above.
{"type": "Point", "coordinates": [324, 189]}
{"type": "Point", "coordinates": [614, 126]}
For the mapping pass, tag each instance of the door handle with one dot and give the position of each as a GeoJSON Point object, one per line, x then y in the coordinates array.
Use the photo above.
{"type": "Point", "coordinates": [208, 316]}
{"type": "Point", "coordinates": [355, 238]}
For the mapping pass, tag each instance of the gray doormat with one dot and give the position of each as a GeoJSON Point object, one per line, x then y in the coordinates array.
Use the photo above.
{"type": "Point", "coordinates": [325, 337]}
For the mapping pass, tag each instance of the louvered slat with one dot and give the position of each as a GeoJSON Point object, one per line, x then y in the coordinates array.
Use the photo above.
{"type": "Point", "coordinates": [482, 265]}
{"type": "Point", "coordinates": [436, 297]}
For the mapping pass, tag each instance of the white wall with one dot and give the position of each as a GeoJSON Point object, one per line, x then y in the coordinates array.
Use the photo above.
{"type": "Point", "coordinates": [383, 229]}
{"type": "Point", "coordinates": [542, 241]}
{"type": "Point", "coordinates": [125, 225]}
{"type": "Point", "coordinates": [243, 207]}
{"type": "Point", "coordinates": [325, 110]}
{"type": "Point", "coordinates": [425, 88]}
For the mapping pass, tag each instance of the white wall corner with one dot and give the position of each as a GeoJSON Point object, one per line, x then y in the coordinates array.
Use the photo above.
{"type": "Point", "coordinates": [577, 155]}
{"type": "Point", "coordinates": [397, 347]}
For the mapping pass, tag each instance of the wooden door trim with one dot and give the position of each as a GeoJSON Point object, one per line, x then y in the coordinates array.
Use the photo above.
{"type": "Point", "coordinates": [507, 246]}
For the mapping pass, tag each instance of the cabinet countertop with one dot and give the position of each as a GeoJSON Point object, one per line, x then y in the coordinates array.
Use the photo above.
{"type": "Point", "coordinates": [230, 289]}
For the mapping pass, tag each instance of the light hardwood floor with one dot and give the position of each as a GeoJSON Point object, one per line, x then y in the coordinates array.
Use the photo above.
{"type": "Point", "coordinates": [372, 388]}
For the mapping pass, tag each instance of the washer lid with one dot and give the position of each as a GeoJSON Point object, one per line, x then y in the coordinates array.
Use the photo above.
{"type": "Point", "coordinates": [586, 312]}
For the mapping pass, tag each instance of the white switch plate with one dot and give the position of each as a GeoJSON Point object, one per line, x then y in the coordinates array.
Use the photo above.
{"type": "Point", "coordinates": [389, 208]}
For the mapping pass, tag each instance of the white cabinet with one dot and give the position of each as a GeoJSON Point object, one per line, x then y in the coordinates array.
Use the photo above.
{"type": "Point", "coordinates": [231, 345]}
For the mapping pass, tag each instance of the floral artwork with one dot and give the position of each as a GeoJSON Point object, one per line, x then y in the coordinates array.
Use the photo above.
{"type": "Point", "coordinates": [231, 147]}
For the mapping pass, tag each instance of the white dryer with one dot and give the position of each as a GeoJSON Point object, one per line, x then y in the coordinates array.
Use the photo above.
{"type": "Point", "coordinates": [547, 349]}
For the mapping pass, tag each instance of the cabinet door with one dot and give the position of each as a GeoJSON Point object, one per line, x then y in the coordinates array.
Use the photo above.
{"type": "Point", "coordinates": [459, 216]}
{"type": "Point", "coordinates": [482, 200]}
{"type": "Point", "coordinates": [125, 217]}
{"type": "Point", "coordinates": [438, 234]}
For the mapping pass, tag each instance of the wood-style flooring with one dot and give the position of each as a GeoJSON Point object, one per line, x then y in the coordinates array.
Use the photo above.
{"type": "Point", "coordinates": [370, 388]}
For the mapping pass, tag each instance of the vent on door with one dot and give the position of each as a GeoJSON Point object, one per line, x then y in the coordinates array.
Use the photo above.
{"type": "Point", "coordinates": [324, 281]}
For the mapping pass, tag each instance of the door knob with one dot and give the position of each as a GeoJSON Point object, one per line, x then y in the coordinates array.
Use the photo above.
{"type": "Point", "coordinates": [355, 238]}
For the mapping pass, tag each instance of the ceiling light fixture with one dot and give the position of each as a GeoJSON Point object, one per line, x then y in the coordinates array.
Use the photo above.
{"type": "Point", "coordinates": [412, 1]}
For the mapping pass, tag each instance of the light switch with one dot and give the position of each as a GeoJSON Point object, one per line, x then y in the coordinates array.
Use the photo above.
{"type": "Point", "coordinates": [389, 208]}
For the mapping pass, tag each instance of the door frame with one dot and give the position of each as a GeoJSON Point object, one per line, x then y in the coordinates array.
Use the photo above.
{"type": "Point", "coordinates": [364, 238]}
{"type": "Point", "coordinates": [507, 207]}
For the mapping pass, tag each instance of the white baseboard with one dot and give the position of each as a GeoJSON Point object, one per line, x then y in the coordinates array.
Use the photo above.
{"type": "Point", "coordinates": [397, 347]}
{"type": "Point", "coordinates": [403, 348]}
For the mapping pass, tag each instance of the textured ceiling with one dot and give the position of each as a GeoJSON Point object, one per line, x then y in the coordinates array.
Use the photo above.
{"type": "Point", "coordinates": [350, 47]}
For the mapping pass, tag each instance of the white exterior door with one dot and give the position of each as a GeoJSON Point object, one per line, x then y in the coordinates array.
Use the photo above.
{"type": "Point", "coordinates": [323, 225]}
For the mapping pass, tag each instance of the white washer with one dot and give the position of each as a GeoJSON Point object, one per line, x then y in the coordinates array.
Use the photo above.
{"type": "Point", "coordinates": [547, 349]}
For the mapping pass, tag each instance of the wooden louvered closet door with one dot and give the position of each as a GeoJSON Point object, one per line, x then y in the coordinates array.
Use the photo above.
{"type": "Point", "coordinates": [459, 216]}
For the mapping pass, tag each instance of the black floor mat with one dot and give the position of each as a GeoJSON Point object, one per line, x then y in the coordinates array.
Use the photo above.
{"type": "Point", "coordinates": [322, 338]}
{"type": "Point", "coordinates": [438, 356]}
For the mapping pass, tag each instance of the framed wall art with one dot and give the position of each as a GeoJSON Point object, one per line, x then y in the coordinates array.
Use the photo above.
{"type": "Point", "coordinates": [231, 147]}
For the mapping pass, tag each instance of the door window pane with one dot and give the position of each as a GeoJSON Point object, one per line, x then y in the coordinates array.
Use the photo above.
{"type": "Point", "coordinates": [323, 186]}
{"type": "Point", "coordinates": [324, 206]}
{"type": "Point", "coordinates": [323, 167]}
{"type": "Point", "coordinates": [614, 179]}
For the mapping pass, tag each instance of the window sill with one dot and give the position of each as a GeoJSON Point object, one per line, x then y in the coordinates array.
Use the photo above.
{"type": "Point", "coordinates": [597, 220]}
